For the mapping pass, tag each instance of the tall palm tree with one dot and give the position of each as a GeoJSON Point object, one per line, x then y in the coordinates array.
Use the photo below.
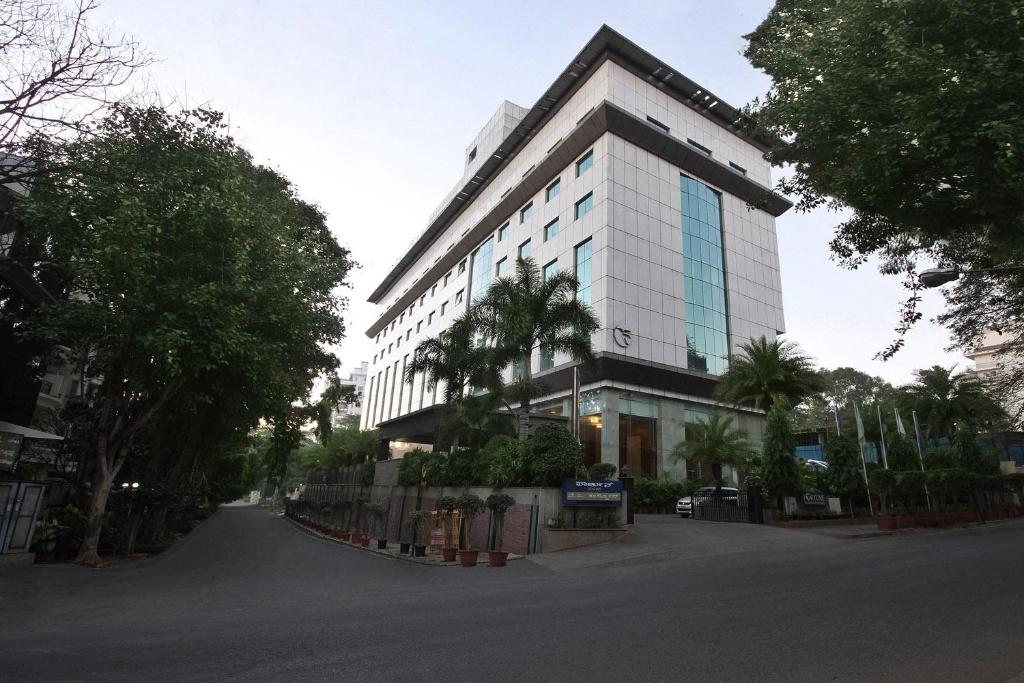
{"type": "Point", "coordinates": [943, 399]}
{"type": "Point", "coordinates": [765, 369]}
{"type": "Point", "coordinates": [525, 311]}
{"type": "Point", "coordinates": [455, 358]}
{"type": "Point", "coordinates": [715, 442]}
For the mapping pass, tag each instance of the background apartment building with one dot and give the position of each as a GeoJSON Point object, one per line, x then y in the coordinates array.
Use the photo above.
{"type": "Point", "coordinates": [636, 179]}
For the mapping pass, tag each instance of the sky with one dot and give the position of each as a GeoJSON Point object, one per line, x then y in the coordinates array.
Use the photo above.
{"type": "Point", "coordinates": [367, 107]}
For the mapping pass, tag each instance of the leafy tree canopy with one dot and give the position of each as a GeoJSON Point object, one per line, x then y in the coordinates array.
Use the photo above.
{"type": "Point", "coordinates": [764, 370]}
{"type": "Point", "coordinates": [907, 113]}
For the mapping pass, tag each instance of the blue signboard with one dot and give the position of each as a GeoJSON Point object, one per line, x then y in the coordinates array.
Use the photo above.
{"type": "Point", "coordinates": [812, 500]}
{"type": "Point", "coordinates": [592, 494]}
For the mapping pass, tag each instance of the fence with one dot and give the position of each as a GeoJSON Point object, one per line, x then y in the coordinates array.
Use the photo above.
{"type": "Point", "coordinates": [724, 505]}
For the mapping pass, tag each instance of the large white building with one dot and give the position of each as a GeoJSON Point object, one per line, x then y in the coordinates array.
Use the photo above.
{"type": "Point", "coordinates": [637, 179]}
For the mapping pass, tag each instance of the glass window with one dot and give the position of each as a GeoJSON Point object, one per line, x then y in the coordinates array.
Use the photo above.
{"type": "Point", "coordinates": [446, 279]}
{"type": "Point", "coordinates": [584, 163]}
{"type": "Point", "coordinates": [418, 325]}
{"type": "Point", "coordinates": [525, 212]}
{"type": "Point", "coordinates": [408, 334]}
{"type": "Point", "coordinates": [462, 267]}
{"type": "Point", "coordinates": [550, 269]}
{"type": "Point", "coordinates": [584, 274]}
{"type": "Point", "coordinates": [422, 299]}
{"type": "Point", "coordinates": [699, 147]}
{"type": "Point", "coordinates": [707, 332]}
{"type": "Point", "coordinates": [443, 307]}
{"type": "Point", "coordinates": [584, 205]}
{"type": "Point", "coordinates": [550, 230]}
{"type": "Point", "coordinates": [547, 358]}
{"type": "Point", "coordinates": [553, 190]}
{"type": "Point", "coordinates": [655, 123]}
{"type": "Point", "coordinates": [430, 318]}
{"type": "Point", "coordinates": [459, 295]}
{"type": "Point", "coordinates": [524, 249]}
{"type": "Point", "coordinates": [501, 267]}
{"type": "Point", "coordinates": [480, 273]}
{"type": "Point", "coordinates": [401, 318]}
{"type": "Point", "coordinates": [503, 232]}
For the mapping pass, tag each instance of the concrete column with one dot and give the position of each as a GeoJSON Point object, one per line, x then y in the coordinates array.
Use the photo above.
{"type": "Point", "coordinates": [671, 430]}
{"type": "Point", "coordinates": [610, 427]}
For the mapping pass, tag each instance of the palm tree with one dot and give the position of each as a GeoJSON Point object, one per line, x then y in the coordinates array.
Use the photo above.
{"type": "Point", "coordinates": [765, 369]}
{"type": "Point", "coordinates": [943, 399]}
{"type": "Point", "coordinates": [717, 443]}
{"type": "Point", "coordinates": [525, 311]}
{"type": "Point", "coordinates": [455, 358]}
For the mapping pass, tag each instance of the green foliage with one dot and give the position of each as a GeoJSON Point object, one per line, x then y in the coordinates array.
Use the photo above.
{"type": "Point", "coordinates": [887, 84]}
{"type": "Point", "coordinates": [455, 359]}
{"type": "Point", "coordinates": [944, 399]}
{"type": "Point", "coordinates": [524, 311]}
{"type": "Point", "coordinates": [411, 469]}
{"type": "Point", "coordinates": [509, 464]}
{"type": "Point", "coordinates": [764, 370]}
{"type": "Point", "coordinates": [602, 470]}
{"type": "Point", "coordinates": [499, 503]}
{"type": "Point", "coordinates": [473, 420]}
{"type": "Point", "coordinates": [841, 387]}
{"type": "Point", "coordinates": [901, 453]}
{"type": "Point", "coordinates": [464, 467]}
{"type": "Point", "coordinates": [967, 454]}
{"type": "Point", "coordinates": [470, 506]}
{"type": "Point", "coordinates": [554, 455]}
{"type": "Point", "coordinates": [780, 475]}
{"type": "Point", "coordinates": [715, 442]}
{"type": "Point", "coordinates": [350, 447]}
{"type": "Point", "coordinates": [420, 520]}
{"type": "Point", "coordinates": [844, 475]}
{"type": "Point", "coordinates": [661, 495]}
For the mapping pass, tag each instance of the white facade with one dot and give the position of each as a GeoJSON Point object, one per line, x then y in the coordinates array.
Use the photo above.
{"type": "Point", "coordinates": [357, 381]}
{"type": "Point", "coordinates": [635, 230]}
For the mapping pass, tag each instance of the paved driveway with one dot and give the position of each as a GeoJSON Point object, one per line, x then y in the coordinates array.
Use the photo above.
{"type": "Point", "coordinates": [248, 597]}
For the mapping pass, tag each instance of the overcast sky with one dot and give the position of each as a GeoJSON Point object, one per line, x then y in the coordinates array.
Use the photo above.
{"type": "Point", "coordinates": [368, 107]}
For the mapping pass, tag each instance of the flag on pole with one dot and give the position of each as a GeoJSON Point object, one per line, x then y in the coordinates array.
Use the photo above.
{"type": "Point", "coordinates": [860, 425]}
{"type": "Point", "coordinates": [863, 463]}
{"type": "Point", "coordinates": [881, 436]}
{"type": "Point", "coordinates": [899, 423]}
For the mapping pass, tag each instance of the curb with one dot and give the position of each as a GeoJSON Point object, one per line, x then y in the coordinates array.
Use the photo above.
{"type": "Point", "coordinates": [382, 554]}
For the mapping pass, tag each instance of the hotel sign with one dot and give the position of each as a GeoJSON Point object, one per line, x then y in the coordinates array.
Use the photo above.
{"type": "Point", "coordinates": [590, 493]}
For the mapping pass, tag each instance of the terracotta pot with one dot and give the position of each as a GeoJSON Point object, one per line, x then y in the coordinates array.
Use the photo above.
{"type": "Point", "coordinates": [497, 558]}
{"type": "Point", "coordinates": [382, 544]}
{"type": "Point", "coordinates": [364, 541]}
{"type": "Point", "coordinates": [885, 523]}
{"type": "Point", "coordinates": [419, 550]}
{"type": "Point", "coordinates": [404, 548]}
{"type": "Point", "coordinates": [468, 557]}
{"type": "Point", "coordinates": [449, 554]}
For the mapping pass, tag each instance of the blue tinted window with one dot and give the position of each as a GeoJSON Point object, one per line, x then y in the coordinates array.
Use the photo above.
{"type": "Point", "coordinates": [584, 163]}
{"type": "Point", "coordinates": [480, 276]}
{"type": "Point", "coordinates": [550, 269]}
{"type": "Point", "coordinates": [524, 249]}
{"type": "Point", "coordinates": [550, 230]}
{"type": "Point", "coordinates": [584, 205]}
{"type": "Point", "coordinates": [707, 340]}
{"type": "Point", "coordinates": [553, 190]}
{"type": "Point", "coordinates": [583, 271]}
{"type": "Point", "coordinates": [525, 212]}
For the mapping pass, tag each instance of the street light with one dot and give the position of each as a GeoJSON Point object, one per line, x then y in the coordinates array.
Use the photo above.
{"type": "Point", "coordinates": [936, 277]}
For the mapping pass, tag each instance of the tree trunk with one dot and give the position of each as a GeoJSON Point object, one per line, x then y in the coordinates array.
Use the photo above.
{"type": "Point", "coordinates": [524, 401]}
{"type": "Point", "coordinates": [88, 554]}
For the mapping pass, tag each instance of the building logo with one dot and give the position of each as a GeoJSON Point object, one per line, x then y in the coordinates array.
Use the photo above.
{"type": "Point", "coordinates": [622, 337]}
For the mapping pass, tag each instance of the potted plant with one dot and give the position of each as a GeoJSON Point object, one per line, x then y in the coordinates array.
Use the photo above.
{"type": "Point", "coordinates": [469, 506]}
{"type": "Point", "coordinates": [446, 507]}
{"type": "Point", "coordinates": [341, 508]}
{"type": "Point", "coordinates": [375, 515]}
{"type": "Point", "coordinates": [498, 504]}
{"type": "Point", "coordinates": [420, 522]}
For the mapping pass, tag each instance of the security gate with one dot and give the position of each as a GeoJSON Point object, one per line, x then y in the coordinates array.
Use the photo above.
{"type": "Point", "coordinates": [19, 505]}
{"type": "Point", "coordinates": [728, 505]}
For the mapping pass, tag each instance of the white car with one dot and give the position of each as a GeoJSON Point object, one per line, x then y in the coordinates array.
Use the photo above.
{"type": "Point", "coordinates": [684, 506]}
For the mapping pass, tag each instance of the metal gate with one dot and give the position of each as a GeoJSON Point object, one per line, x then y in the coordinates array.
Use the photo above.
{"type": "Point", "coordinates": [725, 505]}
{"type": "Point", "coordinates": [19, 505]}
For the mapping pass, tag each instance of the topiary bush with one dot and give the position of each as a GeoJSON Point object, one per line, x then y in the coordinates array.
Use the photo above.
{"type": "Point", "coordinates": [602, 470]}
{"type": "Point", "coordinates": [554, 455]}
{"type": "Point", "coordinates": [508, 463]}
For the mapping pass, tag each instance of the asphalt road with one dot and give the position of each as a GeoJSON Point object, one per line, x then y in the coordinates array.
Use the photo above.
{"type": "Point", "coordinates": [249, 597]}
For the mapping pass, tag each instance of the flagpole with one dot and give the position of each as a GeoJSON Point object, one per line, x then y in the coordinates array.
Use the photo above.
{"type": "Point", "coordinates": [920, 457]}
{"type": "Point", "coordinates": [835, 411]}
{"type": "Point", "coordinates": [863, 463]}
{"type": "Point", "coordinates": [881, 436]}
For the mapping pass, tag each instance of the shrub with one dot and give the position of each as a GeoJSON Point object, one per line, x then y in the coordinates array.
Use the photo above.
{"type": "Point", "coordinates": [420, 522]}
{"type": "Point", "coordinates": [508, 464]}
{"type": "Point", "coordinates": [470, 506]}
{"type": "Point", "coordinates": [660, 495]}
{"type": "Point", "coordinates": [498, 504]}
{"type": "Point", "coordinates": [602, 470]}
{"type": "Point", "coordinates": [410, 470]}
{"type": "Point", "coordinates": [554, 455]}
{"type": "Point", "coordinates": [465, 467]}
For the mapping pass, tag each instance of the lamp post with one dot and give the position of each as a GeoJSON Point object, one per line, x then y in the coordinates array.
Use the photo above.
{"type": "Point", "coordinates": [936, 277]}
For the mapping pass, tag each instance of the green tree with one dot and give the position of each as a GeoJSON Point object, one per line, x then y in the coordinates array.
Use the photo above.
{"type": "Point", "coordinates": [554, 455]}
{"type": "Point", "coordinates": [715, 442]}
{"type": "Point", "coordinates": [907, 115]}
{"type": "Point", "coordinates": [456, 358]}
{"type": "Point", "coordinates": [943, 398]}
{"type": "Point", "coordinates": [525, 312]}
{"type": "Point", "coordinates": [839, 388]}
{"type": "Point", "coordinates": [780, 474]}
{"type": "Point", "coordinates": [844, 476]}
{"type": "Point", "coordinates": [765, 370]}
{"type": "Point", "coordinates": [188, 264]}
{"type": "Point", "coordinates": [901, 453]}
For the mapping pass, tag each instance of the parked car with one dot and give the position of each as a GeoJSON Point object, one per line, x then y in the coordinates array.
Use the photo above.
{"type": "Point", "coordinates": [728, 495]}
